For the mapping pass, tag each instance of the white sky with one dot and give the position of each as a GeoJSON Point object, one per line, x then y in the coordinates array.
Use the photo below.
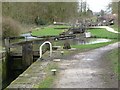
{"type": "Point", "coordinates": [97, 5]}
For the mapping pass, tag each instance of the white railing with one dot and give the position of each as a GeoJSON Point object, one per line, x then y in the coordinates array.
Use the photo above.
{"type": "Point", "coordinates": [40, 48]}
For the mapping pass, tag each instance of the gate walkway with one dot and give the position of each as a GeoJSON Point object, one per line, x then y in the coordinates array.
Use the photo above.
{"type": "Point", "coordinates": [35, 73]}
{"type": "Point", "coordinates": [32, 76]}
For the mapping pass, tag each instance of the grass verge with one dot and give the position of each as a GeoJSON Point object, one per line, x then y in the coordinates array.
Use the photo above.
{"type": "Point", "coordinates": [113, 57]}
{"type": "Point", "coordinates": [49, 31]}
{"type": "Point", "coordinates": [92, 46]}
{"type": "Point", "coordinates": [116, 27]}
{"type": "Point", "coordinates": [102, 33]}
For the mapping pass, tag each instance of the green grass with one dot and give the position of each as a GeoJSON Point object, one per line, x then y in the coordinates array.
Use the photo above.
{"type": "Point", "coordinates": [0, 67]}
{"type": "Point", "coordinates": [46, 32]}
{"type": "Point", "coordinates": [115, 27]}
{"type": "Point", "coordinates": [49, 31]}
{"type": "Point", "coordinates": [91, 46]}
{"type": "Point", "coordinates": [49, 79]}
{"type": "Point", "coordinates": [102, 33]}
{"type": "Point", "coordinates": [113, 57]}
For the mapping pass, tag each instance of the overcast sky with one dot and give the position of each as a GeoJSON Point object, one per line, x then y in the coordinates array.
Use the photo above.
{"type": "Point", "coordinates": [97, 5]}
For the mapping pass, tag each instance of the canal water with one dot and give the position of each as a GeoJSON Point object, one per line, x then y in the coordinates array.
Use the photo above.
{"type": "Point", "coordinates": [76, 41]}
{"type": "Point", "coordinates": [79, 40]}
{"type": "Point", "coordinates": [28, 36]}
{"type": "Point", "coordinates": [82, 41]}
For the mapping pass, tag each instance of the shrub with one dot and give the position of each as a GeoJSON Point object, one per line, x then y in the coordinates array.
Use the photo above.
{"type": "Point", "coordinates": [39, 21]}
{"type": "Point", "coordinates": [10, 27]}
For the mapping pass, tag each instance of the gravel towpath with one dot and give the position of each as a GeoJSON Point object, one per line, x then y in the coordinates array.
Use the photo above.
{"type": "Point", "coordinates": [87, 70]}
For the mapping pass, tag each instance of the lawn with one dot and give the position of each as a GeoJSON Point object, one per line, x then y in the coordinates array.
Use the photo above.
{"type": "Point", "coordinates": [0, 74]}
{"type": "Point", "coordinates": [50, 30]}
{"type": "Point", "coordinates": [102, 33]}
{"type": "Point", "coordinates": [113, 57]}
{"type": "Point", "coordinates": [91, 46]}
{"type": "Point", "coordinates": [115, 27]}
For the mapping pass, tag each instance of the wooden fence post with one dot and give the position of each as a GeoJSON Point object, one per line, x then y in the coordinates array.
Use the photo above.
{"type": "Point", "coordinates": [27, 54]}
{"type": "Point", "coordinates": [7, 44]}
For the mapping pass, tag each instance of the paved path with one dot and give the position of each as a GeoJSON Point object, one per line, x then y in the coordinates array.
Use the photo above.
{"type": "Point", "coordinates": [88, 70]}
{"type": "Point", "coordinates": [107, 28]}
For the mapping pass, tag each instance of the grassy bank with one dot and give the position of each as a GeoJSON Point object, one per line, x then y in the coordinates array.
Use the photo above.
{"type": "Point", "coordinates": [46, 32]}
{"type": "Point", "coordinates": [0, 69]}
{"type": "Point", "coordinates": [113, 57]}
{"type": "Point", "coordinates": [91, 46]}
{"type": "Point", "coordinates": [50, 30]}
{"type": "Point", "coordinates": [102, 33]}
{"type": "Point", "coordinates": [115, 27]}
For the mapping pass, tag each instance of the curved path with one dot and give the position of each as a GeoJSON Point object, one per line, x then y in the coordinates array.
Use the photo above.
{"type": "Point", "coordinates": [88, 70]}
{"type": "Point", "coordinates": [107, 28]}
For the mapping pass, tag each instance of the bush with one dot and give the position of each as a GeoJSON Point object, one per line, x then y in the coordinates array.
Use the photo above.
{"type": "Point", "coordinates": [10, 27]}
{"type": "Point", "coordinates": [39, 21]}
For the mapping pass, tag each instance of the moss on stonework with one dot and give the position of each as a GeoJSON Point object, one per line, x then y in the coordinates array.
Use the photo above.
{"type": "Point", "coordinates": [50, 78]}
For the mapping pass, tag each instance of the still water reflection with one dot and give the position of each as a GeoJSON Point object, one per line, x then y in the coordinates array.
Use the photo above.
{"type": "Point", "coordinates": [77, 41]}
